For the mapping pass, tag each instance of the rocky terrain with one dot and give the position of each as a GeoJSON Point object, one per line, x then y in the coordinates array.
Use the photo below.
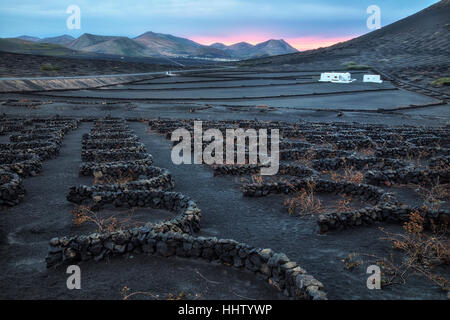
{"type": "Point", "coordinates": [116, 209]}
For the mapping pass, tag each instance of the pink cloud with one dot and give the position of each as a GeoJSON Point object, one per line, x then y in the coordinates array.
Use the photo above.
{"type": "Point", "coordinates": [309, 43]}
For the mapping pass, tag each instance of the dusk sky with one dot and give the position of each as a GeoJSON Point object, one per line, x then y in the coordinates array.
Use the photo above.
{"type": "Point", "coordinates": [305, 24]}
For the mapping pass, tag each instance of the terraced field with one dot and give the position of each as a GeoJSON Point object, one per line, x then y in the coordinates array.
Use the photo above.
{"type": "Point", "coordinates": [88, 179]}
{"type": "Point", "coordinates": [99, 197]}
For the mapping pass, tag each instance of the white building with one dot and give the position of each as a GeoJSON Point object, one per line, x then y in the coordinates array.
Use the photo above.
{"type": "Point", "coordinates": [376, 78]}
{"type": "Point", "coordinates": [336, 77]}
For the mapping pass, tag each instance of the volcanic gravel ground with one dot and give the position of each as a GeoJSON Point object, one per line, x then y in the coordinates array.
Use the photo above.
{"type": "Point", "coordinates": [263, 222]}
{"type": "Point", "coordinates": [45, 213]}
{"type": "Point", "coordinates": [241, 90]}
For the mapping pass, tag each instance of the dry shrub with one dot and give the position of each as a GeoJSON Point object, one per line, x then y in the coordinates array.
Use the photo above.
{"type": "Point", "coordinates": [307, 158]}
{"type": "Point", "coordinates": [304, 201]}
{"type": "Point", "coordinates": [127, 295]}
{"type": "Point", "coordinates": [344, 204]}
{"type": "Point", "coordinates": [441, 165]}
{"type": "Point", "coordinates": [123, 178]}
{"type": "Point", "coordinates": [435, 196]}
{"type": "Point", "coordinates": [353, 176]}
{"type": "Point", "coordinates": [334, 176]}
{"type": "Point", "coordinates": [416, 158]}
{"type": "Point", "coordinates": [352, 261]}
{"type": "Point", "coordinates": [349, 175]}
{"type": "Point", "coordinates": [5, 179]}
{"type": "Point", "coordinates": [179, 296]}
{"type": "Point", "coordinates": [367, 151]}
{"type": "Point", "coordinates": [422, 253]}
{"type": "Point", "coordinates": [84, 214]}
{"type": "Point", "coordinates": [257, 179]}
{"type": "Point", "coordinates": [254, 179]}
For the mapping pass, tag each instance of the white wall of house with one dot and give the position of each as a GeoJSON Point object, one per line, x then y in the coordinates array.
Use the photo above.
{"type": "Point", "coordinates": [376, 78]}
{"type": "Point", "coordinates": [336, 77]}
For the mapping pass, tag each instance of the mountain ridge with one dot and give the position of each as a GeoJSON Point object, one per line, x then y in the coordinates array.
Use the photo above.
{"type": "Point", "coordinates": [244, 50]}
{"type": "Point", "coordinates": [152, 44]}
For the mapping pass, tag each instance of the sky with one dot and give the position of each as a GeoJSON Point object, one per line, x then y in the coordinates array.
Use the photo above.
{"type": "Point", "coordinates": [305, 24]}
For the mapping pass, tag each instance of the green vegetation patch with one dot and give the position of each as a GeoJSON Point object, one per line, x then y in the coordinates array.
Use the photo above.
{"type": "Point", "coordinates": [441, 82]}
{"type": "Point", "coordinates": [351, 65]}
{"type": "Point", "coordinates": [49, 67]}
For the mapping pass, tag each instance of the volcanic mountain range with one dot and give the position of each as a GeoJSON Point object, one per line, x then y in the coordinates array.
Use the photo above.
{"type": "Point", "coordinates": [150, 44]}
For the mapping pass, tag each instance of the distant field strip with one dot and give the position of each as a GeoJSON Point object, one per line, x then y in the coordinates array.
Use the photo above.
{"type": "Point", "coordinates": [299, 89]}
{"type": "Point", "coordinates": [312, 94]}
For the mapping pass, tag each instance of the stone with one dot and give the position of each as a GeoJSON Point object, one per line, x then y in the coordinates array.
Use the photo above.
{"type": "Point", "coordinates": [265, 269]}
{"type": "Point", "coordinates": [277, 259]}
{"type": "Point", "coordinates": [69, 255]}
{"type": "Point", "coordinates": [187, 246]}
{"type": "Point", "coordinates": [304, 280]}
{"type": "Point", "coordinates": [266, 254]}
{"type": "Point", "coordinates": [165, 250]}
{"type": "Point", "coordinates": [101, 255]}
{"type": "Point", "coordinates": [255, 259]}
{"type": "Point", "coordinates": [109, 245]}
{"type": "Point", "coordinates": [208, 253]}
{"type": "Point", "coordinates": [238, 262]}
{"type": "Point", "coordinates": [54, 242]}
{"type": "Point", "coordinates": [315, 293]}
{"type": "Point", "coordinates": [288, 265]}
{"type": "Point", "coordinates": [95, 249]}
{"type": "Point", "coordinates": [120, 248]}
{"type": "Point", "coordinates": [55, 249]}
{"type": "Point", "coordinates": [148, 248]}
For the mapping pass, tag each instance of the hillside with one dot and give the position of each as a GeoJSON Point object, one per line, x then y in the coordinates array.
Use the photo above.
{"type": "Point", "coordinates": [414, 49]}
{"type": "Point", "coordinates": [15, 45]}
{"type": "Point", "coordinates": [426, 32]}
{"type": "Point", "coordinates": [61, 40]}
{"type": "Point", "coordinates": [273, 48]}
{"type": "Point", "coordinates": [86, 40]}
{"type": "Point", "coordinates": [172, 46]}
{"type": "Point", "coordinates": [113, 46]}
{"type": "Point", "coordinates": [166, 44]}
{"type": "Point", "coordinates": [29, 65]}
{"type": "Point", "coordinates": [29, 38]}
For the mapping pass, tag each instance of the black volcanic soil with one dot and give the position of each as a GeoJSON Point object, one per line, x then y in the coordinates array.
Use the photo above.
{"type": "Point", "coordinates": [46, 213]}
{"type": "Point", "coordinates": [261, 222]}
